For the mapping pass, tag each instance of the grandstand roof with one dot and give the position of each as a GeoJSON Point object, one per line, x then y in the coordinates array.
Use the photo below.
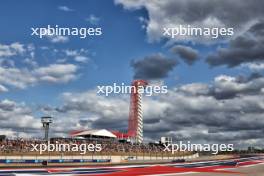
{"type": "Point", "coordinates": [121, 135]}
{"type": "Point", "coordinates": [97, 133]}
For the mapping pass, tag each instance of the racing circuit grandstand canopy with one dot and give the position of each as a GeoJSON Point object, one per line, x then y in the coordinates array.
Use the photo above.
{"type": "Point", "coordinates": [101, 133]}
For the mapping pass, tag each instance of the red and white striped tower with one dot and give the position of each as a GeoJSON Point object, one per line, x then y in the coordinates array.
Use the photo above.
{"type": "Point", "coordinates": [135, 121]}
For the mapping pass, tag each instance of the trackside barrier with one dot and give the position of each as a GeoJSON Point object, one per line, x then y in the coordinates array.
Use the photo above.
{"type": "Point", "coordinates": [9, 161]}
{"type": "Point", "coordinates": [89, 158]}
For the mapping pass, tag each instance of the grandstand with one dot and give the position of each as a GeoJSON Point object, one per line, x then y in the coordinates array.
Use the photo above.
{"type": "Point", "coordinates": [109, 147]}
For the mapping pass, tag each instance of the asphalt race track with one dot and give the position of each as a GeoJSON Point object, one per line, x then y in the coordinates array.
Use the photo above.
{"type": "Point", "coordinates": [249, 166]}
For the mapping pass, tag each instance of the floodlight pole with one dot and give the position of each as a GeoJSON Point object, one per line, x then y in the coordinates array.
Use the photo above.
{"type": "Point", "coordinates": [46, 121]}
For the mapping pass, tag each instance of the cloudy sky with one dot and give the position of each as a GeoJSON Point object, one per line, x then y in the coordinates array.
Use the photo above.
{"type": "Point", "coordinates": [216, 86]}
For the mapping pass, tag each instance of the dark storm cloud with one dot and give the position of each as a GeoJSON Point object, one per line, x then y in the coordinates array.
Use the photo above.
{"type": "Point", "coordinates": [235, 124]}
{"type": "Point", "coordinates": [246, 48]}
{"type": "Point", "coordinates": [110, 123]}
{"type": "Point", "coordinates": [225, 87]}
{"type": "Point", "coordinates": [152, 120]}
{"type": "Point", "coordinates": [228, 87]}
{"type": "Point", "coordinates": [153, 67]}
{"type": "Point", "coordinates": [225, 10]}
{"type": "Point", "coordinates": [188, 54]}
{"type": "Point", "coordinates": [252, 76]}
{"type": "Point", "coordinates": [88, 110]}
{"type": "Point", "coordinates": [16, 117]}
{"type": "Point", "coordinates": [233, 138]}
{"type": "Point", "coordinates": [7, 106]}
{"type": "Point", "coordinates": [84, 122]}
